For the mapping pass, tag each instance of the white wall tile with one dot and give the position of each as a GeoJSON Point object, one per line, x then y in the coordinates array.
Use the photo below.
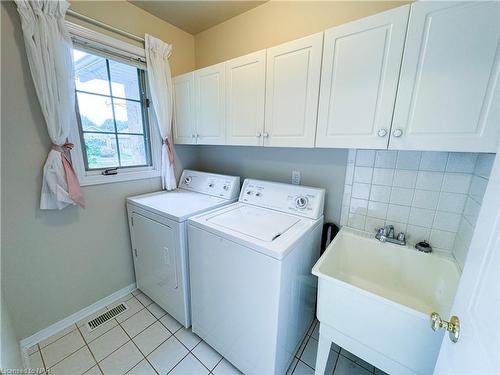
{"type": "Point", "coordinates": [365, 158]}
{"type": "Point", "coordinates": [380, 193]}
{"type": "Point", "coordinates": [386, 159]}
{"type": "Point", "coordinates": [372, 224]}
{"type": "Point", "coordinates": [346, 197]}
{"type": "Point", "coordinates": [452, 202]}
{"type": "Point", "coordinates": [484, 163]}
{"type": "Point", "coordinates": [382, 176]}
{"type": "Point", "coordinates": [433, 161]}
{"type": "Point", "coordinates": [361, 191]}
{"type": "Point", "coordinates": [351, 156]}
{"type": "Point", "coordinates": [398, 213]}
{"type": "Point", "coordinates": [377, 210]}
{"type": "Point", "coordinates": [363, 174]}
{"type": "Point", "coordinates": [404, 178]}
{"type": "Point", "coordinates": [446, 221]}
{"type": "Point", "coordinates": [401, 196]}
{"type": "Point", "coordinates": [349, 174]}
{"type": "Point", "coordinates": [442, 239]}
{"type": "Point", "coordinates": [456, 182]}
{"type": "Point", "coordinates": [429, 180]}
{"type": "Point", "coordinates": [471, 211]}
{"type": "Point", "coordinates": [425, 199]}
{"type": "Point", "coordinates": [408, 160]}
{"type": "Point", "coordinates": [463, 162]}
{"type": "Point", "coordinates": [421, 217]}
{"type": "Point", "coordinates": [357, 221]}
{"type": "Point", "coordinates": [478, 188]}
{"type": "Point", "coordinates": [415, 234]}
{"type": "Point", "coordinates": [358, 206]}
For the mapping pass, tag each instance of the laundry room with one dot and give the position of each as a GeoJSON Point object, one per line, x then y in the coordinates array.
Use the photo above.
{"type": "Point", "coordinates": [250, 187]}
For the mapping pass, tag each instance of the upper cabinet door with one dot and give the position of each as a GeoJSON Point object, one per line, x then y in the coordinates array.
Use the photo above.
{"type": "Point", "coordinates": [210, 105]}
{"type": "Point", "coordinates": [184, 114]}
{"type": "Point", "coordinates": [292, 90]}
{"type": "Point", "coordinates": [245, 95]}
{"type": "Point", "coordinates": [448, 97]}
{"type": "Point", "coordinates": [359, 79]}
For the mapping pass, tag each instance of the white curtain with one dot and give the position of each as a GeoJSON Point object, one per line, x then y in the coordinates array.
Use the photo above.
{"type": "Point", "coordinates": [49, 51]}
{"type": "Point", "coordinates": [160, 86]}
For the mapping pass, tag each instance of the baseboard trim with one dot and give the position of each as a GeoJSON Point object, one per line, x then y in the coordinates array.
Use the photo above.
{"type": "Point", "coordinates": [73, 318]}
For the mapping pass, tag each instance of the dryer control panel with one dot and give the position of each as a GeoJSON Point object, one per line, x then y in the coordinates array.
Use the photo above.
{"type": "Point", "coordinates": [294, 199]}
{"type": "Point", "coordinates": [218, 185]}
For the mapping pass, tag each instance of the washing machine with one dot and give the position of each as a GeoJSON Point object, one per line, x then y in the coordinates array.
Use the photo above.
{"type": "Point", "coordinates": [158, 231]}
{"type": "Point", "coordinates": [252, 291]}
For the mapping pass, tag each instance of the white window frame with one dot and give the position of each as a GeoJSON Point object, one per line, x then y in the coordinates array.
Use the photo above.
{"type": "Point", "coordinates": [105, 43]}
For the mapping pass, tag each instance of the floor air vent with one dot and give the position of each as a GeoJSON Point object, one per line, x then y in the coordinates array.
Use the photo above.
{"type": "Point", "coordinates": [103, 318]}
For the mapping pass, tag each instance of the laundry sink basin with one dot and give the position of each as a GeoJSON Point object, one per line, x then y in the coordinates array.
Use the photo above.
{"type": "Point", "coordinates": [374, 299]}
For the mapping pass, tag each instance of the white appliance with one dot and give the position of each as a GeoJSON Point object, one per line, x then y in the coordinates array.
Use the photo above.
{"type": "Point", "coordinates": [158, 231]}
{"type": "Point", "coordinates": [252, 291]}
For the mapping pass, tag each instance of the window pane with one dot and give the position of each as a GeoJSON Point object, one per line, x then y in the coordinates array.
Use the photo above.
{"type": "Point", "coordinates": [132, 151]}
{"type": "Point", "coordinates": [90, 73]}
{"type": "Point", "coordinates": [96, 113]}
{"type": "Point", "coordinates": [124, 80]}
{"type": "Point", "coordinates": [128, 116]}
{"type": "Point", "coordinates": [101, 150]}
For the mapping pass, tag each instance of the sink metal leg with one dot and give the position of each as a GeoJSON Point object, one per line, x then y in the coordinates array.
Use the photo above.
{"type": "Point", "coordinates": [323, 352]}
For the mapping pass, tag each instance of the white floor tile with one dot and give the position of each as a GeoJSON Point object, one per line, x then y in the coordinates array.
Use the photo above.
{"type": "Point", "coordinates": [149, 339]}
{"type": "Point", "coordinates": [136, 292]}
{"type": "Point", "coordinates": [144, 299]}
{"type": "Point", "coordinates": [207, 355]}
{"type": "Point", "coordinates": [90, 336]}
{"type": "Point", "coordinates": [189, 366]}
{"type": "Point", "coordinates": [143, 368]}
{"type": "Point", "coordinates": [167, 355]}
{"type": "Point", "coordinates": [84, 321]}
{"type": "Point", "coordinates": [169, 322]}
{"type": "Point", "coordinates": [291, 368]}
{"type": "Point", "coordinates": [108, 343]}
{"type": "Point", "coordinates": [357, 360]}
{"type": "Point", "coordinates": [156, 310]}
{"type": "Point", "coordinates": [76, 364]}
{"type": "Point", "coordinates": [303, 369]}
{"type": "Point", "coordinates": [138, 322]}
{"type": "Point", "coordinates": [122, 360]}
{"type": "Point", "coordinates": [134, 306]}
{"type": "Point", "coordinates": [310, 352]}
{"type": "Point", "coordinates": [187, 337]}
{"type": "Point", "coordinates": [379, 372]}
{"type": "Point", "coordinates": [61, 348]}
{"type": "Point", "coordinates": [93, 371]}
{"type": "Point", "coordinates": [225, 368]}
{"type": "Point", "coordinates": [32, 349]}
{"type": "Point", "coordinates": [348, 367]}
{"type": "Point", "coordinates": [57, 336]}
{"type": "Point", "coordinates": [35, 361]}
{"type": "Point", "coordinates": [315, 332]}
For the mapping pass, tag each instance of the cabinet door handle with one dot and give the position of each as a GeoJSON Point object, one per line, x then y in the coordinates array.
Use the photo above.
{"type": "Point", "coordinates": [397, 133]}
{"type": "Point", "coordinates": [193, 135]}
{"type": "Point", "coordinates": [258, 135]}
{"type": "Point", "coordinates": [382, 132]}
{"type": "Point", "coordinates": [266, 135]}
{"type": "Point", "coordinates": [135, 252]}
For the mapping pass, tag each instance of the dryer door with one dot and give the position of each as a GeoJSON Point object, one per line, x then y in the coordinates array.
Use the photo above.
{"type": "Point", "coordinates": [155, 259]}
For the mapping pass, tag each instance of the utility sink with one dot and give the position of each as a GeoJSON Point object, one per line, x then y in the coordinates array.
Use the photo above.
{"type": "Point", "coordinates": [375, 299]}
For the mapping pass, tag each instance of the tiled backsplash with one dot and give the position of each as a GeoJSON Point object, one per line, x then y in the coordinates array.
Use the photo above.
{"type": "Point", "coordinates": [428, 195]}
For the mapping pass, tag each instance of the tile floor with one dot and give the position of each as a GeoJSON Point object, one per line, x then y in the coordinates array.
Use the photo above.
{"type": "Point", "coordinates": [146, 340]}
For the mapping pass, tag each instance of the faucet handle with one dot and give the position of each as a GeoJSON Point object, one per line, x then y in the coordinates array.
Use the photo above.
{"type": "Point", "coordinates": [401, 236]}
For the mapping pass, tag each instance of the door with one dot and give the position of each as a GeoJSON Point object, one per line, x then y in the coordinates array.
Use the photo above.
{"type": "Point", "coordinates": [184, 109]}
{"type": "Point", "coordinates": [155, 259]}
{"type": "Point", "coordinates": [477, 303]}
{"type": "Point", "coordinates": [292, 90]}
{"type": "Point", "coordinates": [449, 92]}
{"type": "Point", "coordinates": [245, 95]}
{"type": "Point", "coordinates": [359, 80]}
{"type": "Point", "coordinates": [210, 105]}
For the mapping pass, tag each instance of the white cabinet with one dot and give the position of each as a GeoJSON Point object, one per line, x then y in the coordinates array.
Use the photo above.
{"type": "Point", "coordinates": [245, 95]}
{"type": "Point", "coordinates": [448, 96]}
{"type": "Point", "coordinates": [292, 90]}
{"type": "Point", "coordinates": [359, 78]}
{"type": "Point", "coordinates": [210, 105]}
{"type": "Point", "coordinates": [184, 114]}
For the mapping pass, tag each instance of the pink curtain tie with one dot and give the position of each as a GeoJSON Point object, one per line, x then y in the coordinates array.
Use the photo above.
{"type": "Point", "coordinates": [170, 151]}
{"type": "Point", "coordinates": [74, 190]}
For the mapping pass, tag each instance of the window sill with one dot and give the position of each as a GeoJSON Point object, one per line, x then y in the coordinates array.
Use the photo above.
{"type": "Point", "coordinates": [89, 179]}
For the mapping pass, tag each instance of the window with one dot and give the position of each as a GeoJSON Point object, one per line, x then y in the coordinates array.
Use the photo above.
{"type": "Point", "coordinates": [112, 112]}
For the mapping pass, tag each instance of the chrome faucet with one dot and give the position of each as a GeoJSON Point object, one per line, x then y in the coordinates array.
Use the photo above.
{"type": "Point", "coordinates": [386, 234]}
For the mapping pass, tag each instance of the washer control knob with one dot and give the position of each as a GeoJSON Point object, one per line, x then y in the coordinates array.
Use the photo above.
{"type": "Point", "coordinates": [258, 194]}
{"type": "Point", "coordinates": [211, 185]}
{"type": "Point", "coordinates": [301, 202]}
{"type": "Point", "coordinates": [225, 187]}
{"type": "Point", "coordinates": [187, 180]}
{"type": "Point", "coordinates": [249, 192]}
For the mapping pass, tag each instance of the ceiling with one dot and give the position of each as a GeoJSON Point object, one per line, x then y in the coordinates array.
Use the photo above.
{"type": "Point", "coordinates": [195, 16]}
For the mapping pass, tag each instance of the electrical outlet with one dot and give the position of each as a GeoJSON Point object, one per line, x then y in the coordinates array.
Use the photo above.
{"type": "Point", "coordinates": [296, 177]}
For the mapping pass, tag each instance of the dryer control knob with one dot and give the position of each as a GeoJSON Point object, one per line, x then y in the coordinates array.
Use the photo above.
{"type": "Point", "coordinates": [301, 202]}
{"type": "Point", "coordinates": [187, 180]}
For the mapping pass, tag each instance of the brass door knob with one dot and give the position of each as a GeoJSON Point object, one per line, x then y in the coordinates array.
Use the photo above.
{"type": "Point", "coordinates": [453, 326]}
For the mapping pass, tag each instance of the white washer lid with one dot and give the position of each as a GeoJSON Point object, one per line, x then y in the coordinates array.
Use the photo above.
{"type": "Point", "coordinates": [263, 224]}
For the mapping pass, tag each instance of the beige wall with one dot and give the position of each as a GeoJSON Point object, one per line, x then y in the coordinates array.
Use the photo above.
{"type": "Point", "coordinates": [277, 22]}
{"type": "Point", "coordinates": [125, 16]}
{"type": "Point", "coordinates": [54, 263]}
